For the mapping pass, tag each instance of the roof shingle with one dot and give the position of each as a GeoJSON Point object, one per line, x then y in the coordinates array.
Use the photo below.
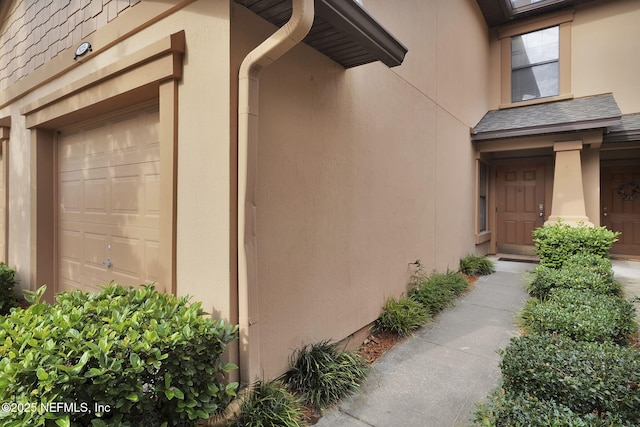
{"type": "Point", "coordinates": [591, 112]}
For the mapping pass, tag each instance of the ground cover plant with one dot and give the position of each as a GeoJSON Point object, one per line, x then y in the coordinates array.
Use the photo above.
{"type": "Point", "coordinates": [583, 315]}
{"type": "Point", "coordinates": [270, 404]}
{"type": "Point", "coordinates": [321, 374]}
{"type": "Point", "coordinates": [474, 265]}
{"type": "Point", "coordinates": [402, 317]}
{"type": "Point", "coordinates": [438, 290]}
{"type": "Point", "coordinates": [133, 356]}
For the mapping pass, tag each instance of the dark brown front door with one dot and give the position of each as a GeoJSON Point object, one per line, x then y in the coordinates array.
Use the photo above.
{"type": "Point", "coordinates": [519, 206]}
{"type": "Point", "coordinates": [621, 206]}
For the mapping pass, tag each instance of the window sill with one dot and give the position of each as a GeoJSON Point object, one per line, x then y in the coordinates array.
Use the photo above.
{"type": "Point", "coordinates": [483, 237]}
{"type": "Point", "coordinates": [536, 101]}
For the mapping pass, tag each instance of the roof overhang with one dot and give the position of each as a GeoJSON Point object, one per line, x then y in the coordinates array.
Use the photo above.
{"type": "Point", "coordinates": [500, 12]}
{"type": "Point", "coordinates": [342, 30]}
{"type": "Point", "coordinates": [628, 130]}
{"type": "Point", "coordinates": [580, 114]}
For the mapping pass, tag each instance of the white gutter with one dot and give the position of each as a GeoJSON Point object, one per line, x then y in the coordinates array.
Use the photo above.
{"type": "Point", "coordinates": [248, 90]}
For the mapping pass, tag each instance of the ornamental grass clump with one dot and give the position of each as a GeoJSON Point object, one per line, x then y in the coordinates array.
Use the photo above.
{"type": "Point", "coordinates": [474, 265]}
{"type": "Point", "coordinates": [402, 317]}
{"type": "Point", "coordinates": [271, 404]}
{"type": "Point", "coordinates": [437, 291]}
{"type": "Point", "coordinates": [124, 356]}
{"type": "Point", "coordinates": [322, 374]}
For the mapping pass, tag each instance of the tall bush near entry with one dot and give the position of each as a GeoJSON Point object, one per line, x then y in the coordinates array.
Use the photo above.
{"type": "Point", "coordinates": [150, 358]}
{"type": "Point", "coordinates": [554, 244]}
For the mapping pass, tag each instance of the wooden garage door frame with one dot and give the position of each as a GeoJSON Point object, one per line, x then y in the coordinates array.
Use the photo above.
{"type": "Point", "coordinates": [4, 196]}
{"type": "Point", "coordinates": [151, 73]}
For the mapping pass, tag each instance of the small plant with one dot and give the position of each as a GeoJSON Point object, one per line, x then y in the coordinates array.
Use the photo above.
{"type": "Point", "coordinates": [554, 244]}
{"type": "Point", "coordinates": [586, 377]}
{"type": "Point", "coordinates": [474, 265]}
{"type": "Point", "coordinates": [149, 357]}
{"type": "Point", "coordinates": [270, 404]}
{"type": "Point", "coordinates": [544, 279]}
{"type": "Point", "coordinates": [8, 298]}
{"type": "Point", "coordinates": [582, 315]}
{"type": "Point", "coordinates": [402, 317]}
{"type": "Point", "coordinates": [438, 291]}
{"type": "Point", "coordinates": [321, 374]}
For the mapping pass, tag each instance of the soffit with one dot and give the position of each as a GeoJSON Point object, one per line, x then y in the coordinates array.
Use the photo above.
{"type": "Point", "coordinates": [342, 30]}
{"type": "Point", "coordinates": [627, 131]}
{"type": "Point", "coordinates": [499, 12]}
{"type": "Point", "coordinates": [592, 112]}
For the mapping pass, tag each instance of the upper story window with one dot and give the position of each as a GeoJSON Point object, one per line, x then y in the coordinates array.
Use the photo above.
{"type": "Point", "coordinates": [536, 60]}
{"type": "Point", "coordinates": [535, 71]}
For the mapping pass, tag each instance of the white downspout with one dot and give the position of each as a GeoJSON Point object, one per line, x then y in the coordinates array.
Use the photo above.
{"type": "Point", "coordinates": [248, 81]}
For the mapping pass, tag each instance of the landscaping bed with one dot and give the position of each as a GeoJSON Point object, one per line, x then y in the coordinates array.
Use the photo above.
{"type": "Point", "coordinates": [577, 362]}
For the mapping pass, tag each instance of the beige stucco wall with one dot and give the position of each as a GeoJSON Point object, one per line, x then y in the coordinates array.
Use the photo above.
{"type": "Point", "coordinates": [203, 191]}
{"type": "Point", "coordinates": [362, 172]}
{"type": "Point", "coordinates": [605, 38]}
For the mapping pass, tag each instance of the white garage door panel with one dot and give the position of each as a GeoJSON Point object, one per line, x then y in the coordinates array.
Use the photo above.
{"type": "Point", "coordinates": [108, 217]}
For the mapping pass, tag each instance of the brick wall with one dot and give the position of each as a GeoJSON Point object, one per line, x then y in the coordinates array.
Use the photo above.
{"type": "Point", "coordinates": [34, 31]}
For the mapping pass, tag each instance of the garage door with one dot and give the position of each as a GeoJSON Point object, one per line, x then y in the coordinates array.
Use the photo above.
{"type": "Point", "coordinates": [108, 201]}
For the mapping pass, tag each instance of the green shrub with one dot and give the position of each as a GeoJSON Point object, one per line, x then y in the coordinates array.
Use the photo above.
{"type": "Point", "coordinates": [582, 315]}
{"type": "Point", "coordinates": [8, 298]}
{"type": "Point", "coordinates": [402, 317]}
{"type": "Point", "coordinates": [586, 377]}
{"type": "Point", "coordinates": [474, 265]}
{"type": "Point", "coordinates": [438, 291]}
{"type": "Point", "coordinates": [555, 243]}
{"type": "Point", "coordinates": [147, 357]}
{"type": "Point", "coordinates": [595, 263]}
{"type": "Point", "coordinates": [502, 409]}
{"type": "Point", "coordinates": [270, 404]}
{"type": "Point", "coordinates": [321, 374]}
{"type": "Point", "coordinates": [544, 279]}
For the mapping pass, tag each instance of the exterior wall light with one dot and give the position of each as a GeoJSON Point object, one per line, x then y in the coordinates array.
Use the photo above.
{"type": "Point", "coordinates": [82, 49]}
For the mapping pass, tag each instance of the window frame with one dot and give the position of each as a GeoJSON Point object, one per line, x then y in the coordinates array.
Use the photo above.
{"type": "Point", "coordinates": [482, 234]}
{"type": "Point", "coordinates": [562, 20]}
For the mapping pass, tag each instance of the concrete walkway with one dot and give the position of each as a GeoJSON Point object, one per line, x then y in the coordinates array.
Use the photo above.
{"type": "Point", "coordinates": [435, 378]}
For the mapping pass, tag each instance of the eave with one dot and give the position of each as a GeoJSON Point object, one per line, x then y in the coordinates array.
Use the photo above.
{"type": "Point", "coordinates": [579, 114]}
{"type": "Point", "coordinates": [500, 12]}
{"type": "Point", "coordinates": [342, 30]}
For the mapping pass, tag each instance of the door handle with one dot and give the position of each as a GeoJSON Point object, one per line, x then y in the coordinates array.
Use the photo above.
{"type": "Point", "coordinates": [107, 263]}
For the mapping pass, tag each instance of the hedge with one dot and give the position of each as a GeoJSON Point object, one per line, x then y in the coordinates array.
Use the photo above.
{"type": "Point", "coordinates": [586, 377]}
{"type": "Point", "coordinates": [544, 279]}
{"type": "Point", "coordinates": [582, 315]}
